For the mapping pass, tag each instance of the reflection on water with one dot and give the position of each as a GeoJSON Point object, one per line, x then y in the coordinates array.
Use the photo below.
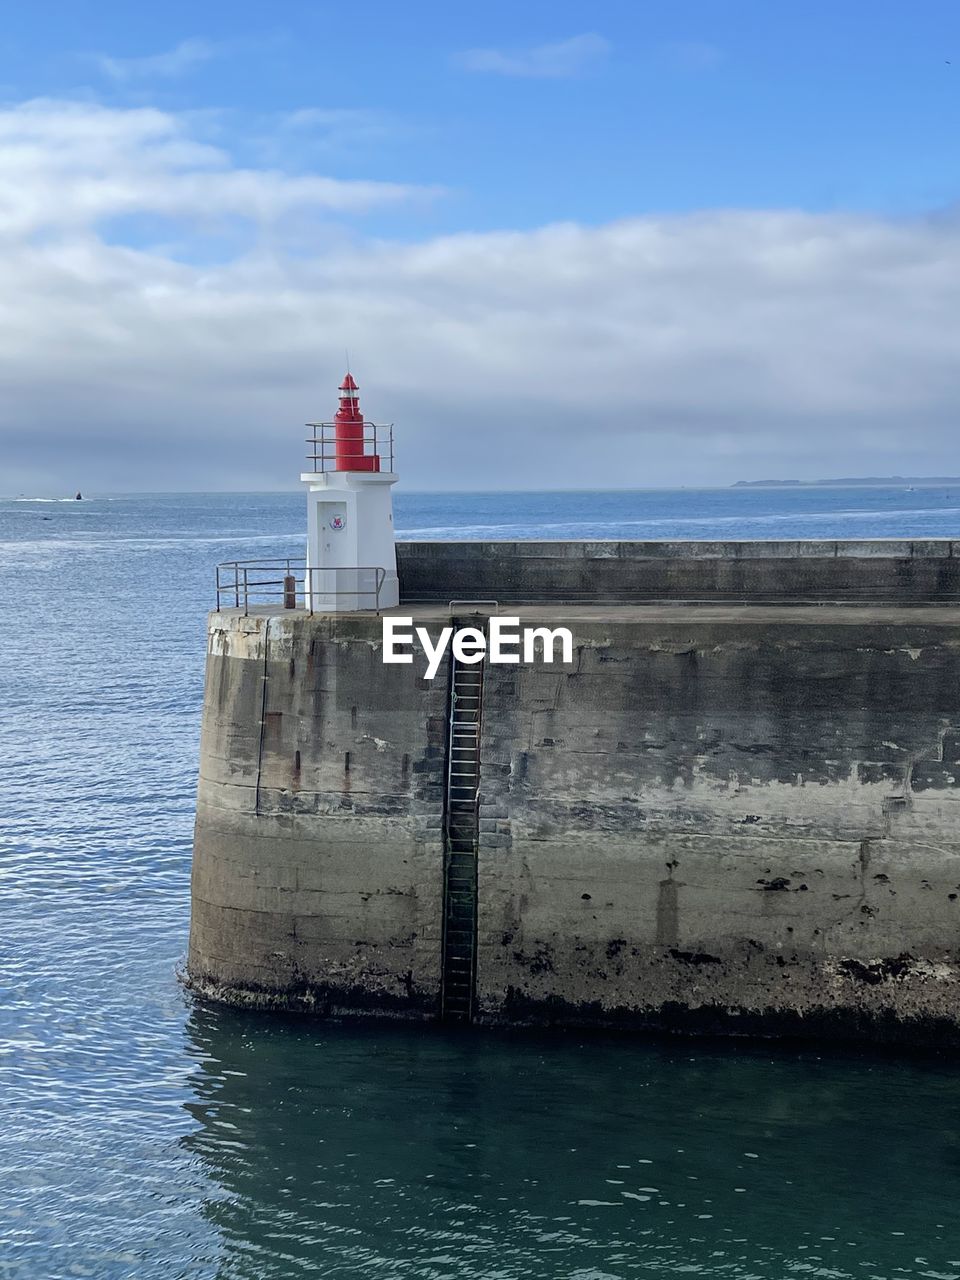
{"type": "Point", "coordinates": [384, 1151]}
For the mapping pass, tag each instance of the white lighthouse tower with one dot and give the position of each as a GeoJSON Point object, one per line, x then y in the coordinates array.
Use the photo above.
{"type": "Point", "coordinates": [351, 554]}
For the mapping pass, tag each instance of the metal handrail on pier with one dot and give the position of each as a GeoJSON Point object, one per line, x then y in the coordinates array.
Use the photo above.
{"type": "Point", "coordinates": [246, 584]}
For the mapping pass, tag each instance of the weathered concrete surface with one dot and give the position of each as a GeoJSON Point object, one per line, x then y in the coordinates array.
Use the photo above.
{"type": "Point", "coordinates": [922, 571]}
{"type": "Point", "coordinates": [729, 824]}
{"type": "Point", "coordinates": [717, 818]}
{"type": "Point", "coordinates": [317, 864]}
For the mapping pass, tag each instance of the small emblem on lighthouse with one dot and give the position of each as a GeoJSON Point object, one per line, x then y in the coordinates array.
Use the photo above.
{"type": "Point", "coordinates": [338, 522]}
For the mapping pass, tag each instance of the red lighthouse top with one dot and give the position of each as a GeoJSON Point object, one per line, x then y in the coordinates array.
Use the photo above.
{"type": "Point", "coordinates": [350, 432]}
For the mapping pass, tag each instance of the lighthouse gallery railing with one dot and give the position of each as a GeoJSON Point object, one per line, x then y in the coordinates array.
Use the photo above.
{"type": "Point", "coordinates": [377, 442]}
{"type": "Point", "coordinates": [246, 584]}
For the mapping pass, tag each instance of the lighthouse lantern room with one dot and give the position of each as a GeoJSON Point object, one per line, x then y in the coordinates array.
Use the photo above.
{"type": "Point", "coordinates": [351, 556]}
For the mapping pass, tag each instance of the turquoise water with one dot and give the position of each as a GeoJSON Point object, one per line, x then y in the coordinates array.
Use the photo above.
{"type": "Point", "coordinates": [143, 1135]}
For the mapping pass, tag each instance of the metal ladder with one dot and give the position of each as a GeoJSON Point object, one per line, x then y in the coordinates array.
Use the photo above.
{"type": "Point", "coordinates": [462, 827]}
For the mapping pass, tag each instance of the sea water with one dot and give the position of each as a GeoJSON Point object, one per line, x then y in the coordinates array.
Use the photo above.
{"type": "Point", "coordinates": [143, 1134]}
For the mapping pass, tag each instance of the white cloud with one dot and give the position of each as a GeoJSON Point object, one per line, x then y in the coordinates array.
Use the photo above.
{"type": "Point", "coordinates": [559, 60]}
{"type": "Point", "coordinates": [72, 165]}
{"type": "Point", "coordinates": [671, 349]}
{"type": "Point", "coordinates": [174, 62]}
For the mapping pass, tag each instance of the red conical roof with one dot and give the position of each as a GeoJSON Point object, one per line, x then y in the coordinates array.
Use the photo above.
{"type": "Point", "coordinates": [348, 384]}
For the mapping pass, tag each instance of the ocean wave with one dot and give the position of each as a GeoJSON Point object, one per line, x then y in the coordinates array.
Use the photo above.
{"type": "Point", "coordinates": [615, 528]}
{"type": "Point", "coordinates": [82, 544]}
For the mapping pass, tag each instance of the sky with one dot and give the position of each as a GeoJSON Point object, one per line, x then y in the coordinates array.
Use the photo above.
{"type": "Point", "coordinates": [567, 245]}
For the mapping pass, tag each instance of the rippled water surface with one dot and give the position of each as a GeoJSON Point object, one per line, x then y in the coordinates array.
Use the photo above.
{"type": "Point", "coordinates": [142, 1135]}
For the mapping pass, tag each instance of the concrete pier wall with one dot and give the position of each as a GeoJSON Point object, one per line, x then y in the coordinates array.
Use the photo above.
{"type": "Point", "coordinates": [717, 817]}
{"type": "Point", "coordinates": [728, 824]}
{"type": "Point", "coordinates": [316, 874]}
{"type": "Point", "coordinates": [620, 572]}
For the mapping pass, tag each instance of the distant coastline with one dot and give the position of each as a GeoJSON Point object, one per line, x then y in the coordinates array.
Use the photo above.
{"type": "Point", "coordinates": [874, 482]}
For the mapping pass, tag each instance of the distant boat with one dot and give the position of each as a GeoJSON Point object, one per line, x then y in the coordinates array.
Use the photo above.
{"type": "Point", "coordinates": [79, 497]}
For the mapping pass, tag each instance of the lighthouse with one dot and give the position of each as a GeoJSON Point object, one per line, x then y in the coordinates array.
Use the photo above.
{"type": "Point", "coordinates": [351, 553]}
